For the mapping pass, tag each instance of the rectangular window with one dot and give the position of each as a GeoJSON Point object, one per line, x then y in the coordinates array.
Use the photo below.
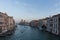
{"type": "Point", "coordinates": [55, 20]}
{"type": "Point", "coordinates": [54, 26]}
{"type": "Point", "coordinates": [51, 24]}
{"type": "Point", "coordinates": [56, 31]}
{"type": "Point", "coordinates": [51, 19]}
{"type": "Point", "coordinates": [1, 22]}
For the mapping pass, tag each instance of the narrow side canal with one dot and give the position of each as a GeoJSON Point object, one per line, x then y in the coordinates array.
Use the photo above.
{"type": "Point", "coordinates": [29, 33]}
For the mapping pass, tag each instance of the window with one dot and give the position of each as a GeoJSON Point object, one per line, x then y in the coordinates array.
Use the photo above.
{"type": "Point", "coordinates": [1, 22]}
{"type": "Point", "coordinates": [51, 20]}
{"type": "Point", "coordinates": [10, 23]}
{"type": "Point", "coordinates": [56, 31]}
{"type": "Point", "coordinates": [51, 24]}
{"type": "Point", "coordinates": [55, 20]}
{"type": "Point", "coordinates": [56, 26]}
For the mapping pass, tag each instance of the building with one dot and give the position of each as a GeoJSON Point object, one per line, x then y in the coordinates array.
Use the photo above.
{"type": "Point", "coordinates": [56, 24]}
{"type": "Point", "coordinates": [49, 24]}
{"type": "Point", "coordinates": [23, 22]}
{"type": "Point", "coordinates": [3, 22]}
{"type": "Point", "coordinates": [11, 23]}
{"type": "Point", "coordinates": [34, 23]}
{"type": "Point", "coordinates": [6, 22]}
{"type": "Point", "coordinates": [42, 24]}
{"type": "Point", "coordinates": [53, 24]}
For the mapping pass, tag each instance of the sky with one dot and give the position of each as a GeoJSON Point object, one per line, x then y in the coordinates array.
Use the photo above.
{"type": "Point", "coordinates": [30, 9]}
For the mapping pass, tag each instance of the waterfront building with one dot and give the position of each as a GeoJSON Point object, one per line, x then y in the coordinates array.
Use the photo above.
{"type": "Point", "coordinates": [49, 24]}
{"type": "Point", "coordinates": [42, 24]}
{"type": "Point", "coordinates": [3, 22]}
{"type": "Point", "coordinates": [53, 24]}
{"type": "Point", "coordinates": [24, 22]}
{"type": "Point", "coordinates": [34, 23]}
{"type": "Point", "coordinates": [56, 24]}
{"type": "Point", "coordinates": [21, 22]}
{"type": "Point", "coordinates": [11, 23]}
{"type": "Point", "coordinates": [6, 22]}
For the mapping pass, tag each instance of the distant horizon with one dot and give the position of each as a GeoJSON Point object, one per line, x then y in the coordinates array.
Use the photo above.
{"type": "Point", "coordinates": [17, 20]}
{"type": "Point", "coordinates": [30, 9]}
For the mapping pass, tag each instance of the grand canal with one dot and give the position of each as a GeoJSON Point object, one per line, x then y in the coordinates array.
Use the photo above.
{"type": "Point", "coordinates": [29, 33]}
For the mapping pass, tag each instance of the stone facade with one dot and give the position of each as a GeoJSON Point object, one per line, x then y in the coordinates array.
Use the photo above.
{"type": "Point", "coordinates": [53, 24]}
{"type": "Point", "coordinates": [6, 22]}
{"type": "Point", "coordinates": [49, 24]}
{"type": "Point", "coordinates": [11, 23]}
{"type": "Point", "coordinates": [34, 23]}
{"type": "Point", "coordinates": [56, 26]}
{"type": "Point", "coordinates": [42, 23]}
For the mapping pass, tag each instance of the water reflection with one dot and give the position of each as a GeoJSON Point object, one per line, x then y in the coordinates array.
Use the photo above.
{"type": "Point", "coordinates": [29, 33]}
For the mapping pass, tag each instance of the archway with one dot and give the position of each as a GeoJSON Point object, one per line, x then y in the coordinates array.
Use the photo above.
{"type": "Point", "coordinates": [44, 27]}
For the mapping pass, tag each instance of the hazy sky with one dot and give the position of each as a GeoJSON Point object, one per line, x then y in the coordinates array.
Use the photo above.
{"type": "Point", "coordinates": [30, 9]}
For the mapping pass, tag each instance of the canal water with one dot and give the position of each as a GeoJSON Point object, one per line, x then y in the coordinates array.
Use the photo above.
{"type": "Point", "coordinates": [29, 33]}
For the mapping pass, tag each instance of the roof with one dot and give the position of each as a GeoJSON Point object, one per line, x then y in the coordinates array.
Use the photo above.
{"type": "Point", "coordinates": [56, 15]}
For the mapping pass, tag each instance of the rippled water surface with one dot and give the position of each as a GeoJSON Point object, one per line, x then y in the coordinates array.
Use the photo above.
{"type": "Point", "coordinates": [29, 33]}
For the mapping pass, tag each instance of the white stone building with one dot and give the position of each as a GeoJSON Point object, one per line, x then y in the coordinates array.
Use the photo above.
{"type": "Point", "coordinates": [56, 24]}
{"type": "Point", "coordinates": [49, 24]}
{"type": "Point", "coordinates": [53, 24]}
